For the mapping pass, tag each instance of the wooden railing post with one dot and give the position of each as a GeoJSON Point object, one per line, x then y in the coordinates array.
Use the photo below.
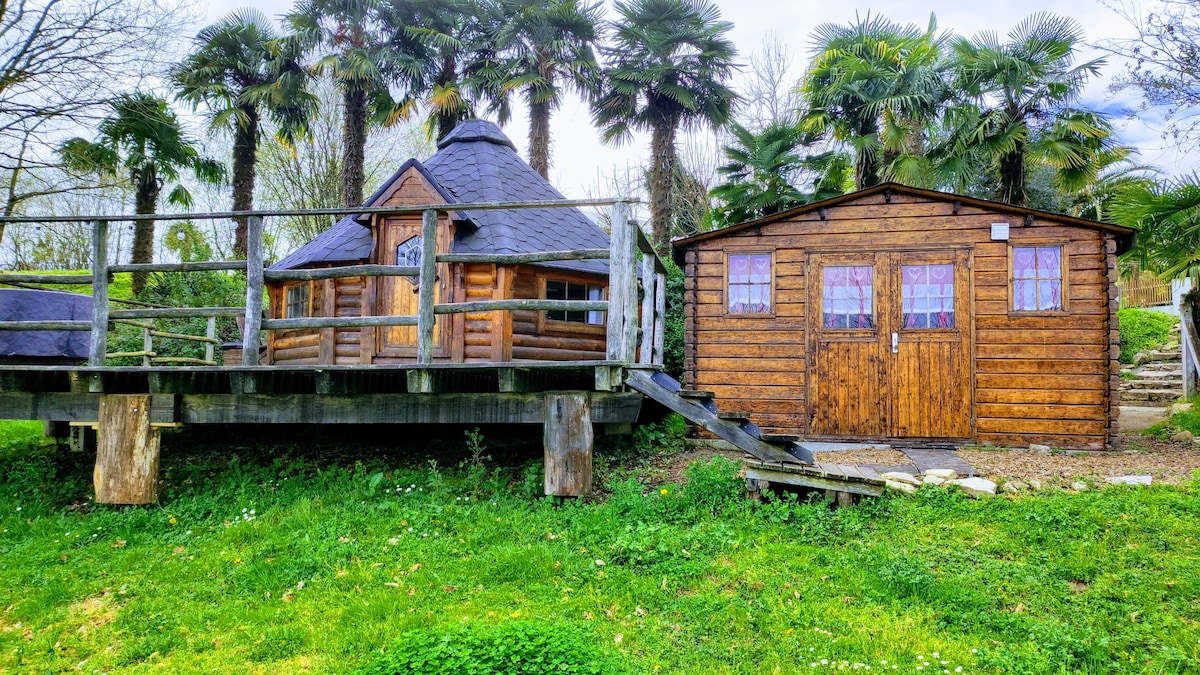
{"type": "Point", "coordinates": [254, 290]}
{"type": "Point", "coordinates": [147, 346]}
{"type": "Point", "coordinates": [660, 318]}
{"type": "Point", "coordinates": [649, 279]}
{"type": "Point", "coordinates": [630, 306]}
{"type": "Point", "coordinates": [99, 342]}
{"type": "Point", "coordinates": [428, 282]}
{"type": "Point", "coordinates": [619, 262]}
{"type": "Point", "coordinates": [210, 332]}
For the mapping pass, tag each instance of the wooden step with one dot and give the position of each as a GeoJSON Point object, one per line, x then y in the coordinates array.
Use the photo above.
{"type": "Point", "coordinates": [733, 416]}
{"type": "Point", "coordinates": [691, 393]}
{"type": "Point", "coordinates": [779, 438]}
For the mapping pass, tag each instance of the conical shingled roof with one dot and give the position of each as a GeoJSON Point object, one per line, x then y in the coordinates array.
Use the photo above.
{"type": "Point", "coordinates": [474, 163]}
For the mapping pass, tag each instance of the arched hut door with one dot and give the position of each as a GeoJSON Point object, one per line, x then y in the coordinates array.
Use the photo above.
{"type": "Point", "coordinates": [400, 244]}
{"type": "Point", "coordinates": [889, 345]}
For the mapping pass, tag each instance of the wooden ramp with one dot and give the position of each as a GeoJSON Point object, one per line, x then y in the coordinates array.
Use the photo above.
{"type": "Point", "coordinates": [773, 457]}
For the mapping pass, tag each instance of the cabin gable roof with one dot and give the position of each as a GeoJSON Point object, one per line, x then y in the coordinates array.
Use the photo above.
{"type": "Point", "coordinates": [1124, 238]}
{"type": "Point", "coordinates": [476, 162]}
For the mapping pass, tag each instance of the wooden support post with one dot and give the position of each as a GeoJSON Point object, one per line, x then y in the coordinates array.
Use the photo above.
{"type": "Point", "coordinates": [147, 346]}
{"type": "Point", "coordinates": [660, 318]}
{"type": "Point", "coordinates": [210, 332]}
{"type": "Point", "coordinates": [127, 451]}
{"type": "Point", "coordinates": [428, 282]}
{"type": "Point", "coordinates": [619, 260]}
{"type": "Point", "coordinates": [630, 305]}
{"type": "Point", "coordinates": [99, 343]}
{"type": "Point", "coordinates": [254, 290]}
{"type": "Point", "coordinates": [567, 444]}
{"type": "Point", "coordinates": [649, 283]}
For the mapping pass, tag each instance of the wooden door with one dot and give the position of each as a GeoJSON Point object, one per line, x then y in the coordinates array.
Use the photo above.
{"type": "Point", "coordinates": [929, 332]}
{"type": "Point", "coordinates": [889, 345]}
{"type": "Point", "coordinates": [846, 385]}
{"type": "Point", "coordinates": [400, 244]}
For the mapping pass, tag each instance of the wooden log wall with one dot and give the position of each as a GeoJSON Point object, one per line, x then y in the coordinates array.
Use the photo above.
{"type": "Point", "coordinates": [348, 292]}
{"type": "Point", "coordinates": [532, 339]}
{"type": "Point", "coordinates": [1036, 379]}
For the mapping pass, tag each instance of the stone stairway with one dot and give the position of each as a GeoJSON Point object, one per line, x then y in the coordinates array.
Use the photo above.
{"type": "Point", "coordinates": [1158, 382]}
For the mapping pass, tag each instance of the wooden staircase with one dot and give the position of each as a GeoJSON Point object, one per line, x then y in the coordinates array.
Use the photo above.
{"type": "Point", "coordinates": [777, 458]}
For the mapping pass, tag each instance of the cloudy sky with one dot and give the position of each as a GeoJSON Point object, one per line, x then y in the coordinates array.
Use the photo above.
{"type": "Point", "coordinates": [581, 161]}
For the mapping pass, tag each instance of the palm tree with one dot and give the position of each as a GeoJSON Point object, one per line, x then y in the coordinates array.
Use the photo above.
{"type": "Point", "coordinates": [1116, 176]}
{"type": "Point", "coordinates": [240, 70]}
{"type": "Point", "coordinates": [670, 60]}
{"type": "Point", "coordinates": [348, 36]}
{"type": "Point", "coordinates": [1016, 107]}
{"type": "Point", "coordinates": [452, 46]}
{"type": "Point", "coordinates": [143, 139]}
{"type": "Point", "coordinates": [875, 85]}
{"type": "Point", "coordinates": [544, 46]}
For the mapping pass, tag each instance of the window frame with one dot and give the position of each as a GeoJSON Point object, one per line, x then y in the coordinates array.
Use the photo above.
{"type": "Point", "coordinates": [286, 305]}
{"type": "Point", "coordinates": [726, 253]}
{"type": "Point", "coordinates": [1064, 270]}
{"type": "Point", "coordinates": [547, 325]}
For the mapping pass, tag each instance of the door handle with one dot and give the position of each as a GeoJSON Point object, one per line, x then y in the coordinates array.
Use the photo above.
{"type": "Point", "coordinates": [895, 343]}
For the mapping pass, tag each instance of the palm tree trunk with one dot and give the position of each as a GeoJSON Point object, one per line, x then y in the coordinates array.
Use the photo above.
{"type": "Point", "coordinates": [447, 118]}
{"type": "Point", "coordinates": [146, 201]}
{"type": "Point", "coordinates": [354, 139]}
{"type": "Point", "coordinates": [662, 168]}
{"type": "Point", "coordinates": [1012, 176]}
{"type": "Point", "coordinates": [245, 147]}
{"type": "Point", "coordinates": [866, 163]}
{"type": "Point", "coordinates": [539, 137]}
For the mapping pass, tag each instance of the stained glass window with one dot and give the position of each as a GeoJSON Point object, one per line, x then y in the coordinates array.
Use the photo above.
{"type": "Point", "coordinates": [570, 290]}
{"type": "Point", "coordinates": [1037, 278]}
{"type": "Point", "coordinates": [750, 283]}
{"type": "Point", "coordinates": [847, 297]}
{"type": "Point", "coordinates": [927, 296]}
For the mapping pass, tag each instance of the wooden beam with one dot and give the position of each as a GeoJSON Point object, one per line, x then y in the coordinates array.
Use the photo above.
{"type": "Point", "coordinates": [513, 379]}
{"type": "Point", "coordinates": [524, 258]}
{"type": "Point", "coordinates": [213, 266]}
{"type": "Point", "coordinates": [428, 282]}
{"type": "Point", "coordinates": [30, 278]}
{"type": "Point", "coordinates": [254, 290]}
{"type": "Point", "coordinates": [660, 319]}
{"type": "Point", "coordinates": [515, 304]}
{"type": "Point", "coordinates": [338, 322]}
{"type": "Point", "coordinates": [343, 271]}
{"type": "Point", "coordinates": [179, 312]}
{"type": "Point", "coordinates": [506, 408]}
{"type": "Point", "coordinates": [567, 444]}
{"type": "Point", "coordinates": [98, 346]}
{"type": "Point", "coordinates": [817, 482]}
{"type": "Point", "coordinates": [127, 451]}
{"type": "Point", "coordinates": [649, 281]}
{"type": "Point", "coordinates": [46, 325]}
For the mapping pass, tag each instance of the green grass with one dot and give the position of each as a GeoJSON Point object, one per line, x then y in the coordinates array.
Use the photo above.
{"type": "Point", "coordinates": [270, 555]}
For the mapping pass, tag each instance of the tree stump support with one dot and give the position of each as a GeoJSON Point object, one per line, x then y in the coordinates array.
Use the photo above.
{"type": "Point", "coordinates": [567, 444]}
{"type": "Point", "coordinates": [127, 450]}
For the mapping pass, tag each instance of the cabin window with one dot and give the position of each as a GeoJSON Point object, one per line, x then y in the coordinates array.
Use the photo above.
{"type": "Point", "coordinates": [847, 296]}
{"type": "Point", "coordinates": [927, 296]}
{"type": "Point", "coordinates": [574, 290]}
{"type": "Point", "coordinates": [1037, 278]}
{"type": "Point", "coordinates": [749, 283]}
{"type": "Point", "coordinates": [298, 305]}
{"type": "Point", "coordinates": [408, 254]}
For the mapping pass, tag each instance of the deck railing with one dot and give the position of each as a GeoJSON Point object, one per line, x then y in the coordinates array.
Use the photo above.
{"type": "Point", "coordinates": [621, 306]}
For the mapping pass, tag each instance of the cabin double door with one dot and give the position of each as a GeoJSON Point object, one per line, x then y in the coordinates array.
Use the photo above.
{"type": "Point", "coordinates": [889, 345]}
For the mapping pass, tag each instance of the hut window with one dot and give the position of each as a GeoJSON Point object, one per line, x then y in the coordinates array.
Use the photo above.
{"type": "Point", "coordinates": [297, 302]}
{"type": "Point", "coordinates": [847, 297]}
{"type": "Point", "coordinates": [408, 254]}
{"type": "Point", "coordinates": [927, 296]}
{"type": "Point", "coordinates": [749, 283]}
{"type": "Point", "coordinates": [1037, 278]}
{"type": "Point", "coordinates": [574, 290]}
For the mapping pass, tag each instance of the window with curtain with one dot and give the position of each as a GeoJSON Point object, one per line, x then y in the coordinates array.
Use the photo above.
{"type": "Point", "coordinates": [927, 296]}
{"type": "Point", "coordinates": [1037, 278]}
{"type": "Point", "coordinates": [749, 283]}
{"type": "Point", "coordinates": [571, 290]}
{"type": "Point", "coordinates": [297, 302]}
{"type": "Point", "coordinates": [847, 296]}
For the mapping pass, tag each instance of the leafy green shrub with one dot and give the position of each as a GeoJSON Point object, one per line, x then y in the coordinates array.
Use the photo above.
{"type": "Point", "coordinates": [1141, 330]}
{"type": "Point", "coordinates": [194, 289]}
{"type": "Point", "coordinates": [713, 487]}
{"type": "Point", "coordinates": [509, 648]}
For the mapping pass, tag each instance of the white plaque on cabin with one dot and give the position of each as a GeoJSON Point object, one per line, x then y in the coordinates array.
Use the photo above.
{"type": "Point", "coordinates": [999, 231]}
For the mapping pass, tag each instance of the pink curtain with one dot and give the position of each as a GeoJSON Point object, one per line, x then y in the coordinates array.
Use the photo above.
{"type": "Point", "coordinates": [927, 296]}
{"type": "Point", "coordinates": [750, 283]}
{"type": "Point", "coordinates": [847, 297]}
{"type": "Point", "coordinates": [1037, 278]}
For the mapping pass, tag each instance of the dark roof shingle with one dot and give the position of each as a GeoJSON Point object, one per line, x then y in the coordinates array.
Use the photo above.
{"type": "Point", "coordinates": [476, 162]}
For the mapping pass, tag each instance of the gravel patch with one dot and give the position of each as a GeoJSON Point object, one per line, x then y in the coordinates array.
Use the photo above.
{"type": "Point", "coordinates": [1143, 455]}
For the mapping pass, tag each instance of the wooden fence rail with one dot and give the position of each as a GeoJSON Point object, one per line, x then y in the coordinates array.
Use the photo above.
{"type": "Point", "coordinates": [622, 332]}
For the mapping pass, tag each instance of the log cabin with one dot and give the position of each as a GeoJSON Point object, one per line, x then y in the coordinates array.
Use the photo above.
{"type": "Point", "coordinates": [903, 315]}
{"type": "Point", "coordinates": [475, 163]}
